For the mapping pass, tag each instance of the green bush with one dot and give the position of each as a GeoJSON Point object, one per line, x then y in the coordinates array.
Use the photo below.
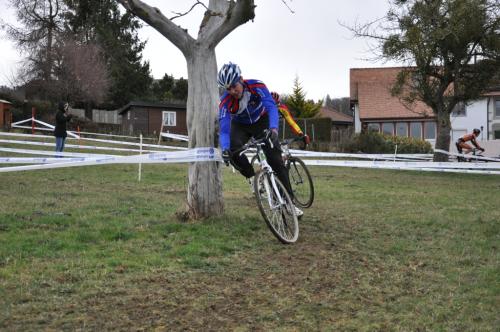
{"type": "Point", "coordinates": [373, 142]}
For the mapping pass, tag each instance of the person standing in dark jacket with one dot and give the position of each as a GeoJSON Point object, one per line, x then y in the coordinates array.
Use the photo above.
{"type": "Point", "coordinates": [62, 117]}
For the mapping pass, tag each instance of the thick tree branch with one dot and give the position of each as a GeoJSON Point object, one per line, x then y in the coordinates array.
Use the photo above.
{"type": "Point", "coordinates": [153, 16]}
{"type": "Point", "coordinates": [223, 17]}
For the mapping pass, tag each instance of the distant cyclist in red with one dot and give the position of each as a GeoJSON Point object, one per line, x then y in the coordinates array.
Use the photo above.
{"type": "Point", "coordinates": [463, 147]}
{"type": "Point", "coordinates": [285, 113]}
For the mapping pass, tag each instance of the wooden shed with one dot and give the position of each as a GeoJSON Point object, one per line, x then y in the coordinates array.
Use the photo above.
{"type": "Point", "coordinates": [5, 114]}
{"type": "Point", "coordinates": [147, 118]}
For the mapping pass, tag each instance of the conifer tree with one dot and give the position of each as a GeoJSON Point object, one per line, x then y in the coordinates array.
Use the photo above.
{"type": "Point", "coordinates": [298, 105]}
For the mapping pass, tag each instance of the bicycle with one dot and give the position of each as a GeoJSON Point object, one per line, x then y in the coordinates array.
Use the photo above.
{"type": "Point", "coordinates": [273, 200]}
{"type": "Point", "coordinates": [300, 177]}
{"type": "Point", "coordinates": [475, 152]}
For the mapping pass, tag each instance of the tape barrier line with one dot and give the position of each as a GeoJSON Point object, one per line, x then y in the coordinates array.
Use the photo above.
{"type": "Point", "coordinates": [160, 147]}
{"type": "Point", "coordinates": [396, 166]}
{"type": "Point", "coordinates": [49, 126]}
{"type": "Point", "coordinates": [39, 160]}
{"type": "Point", "coordinates": [22, 121]}
{"type": "Point", "coordinates": [36, 128]}
{"type": "Point", "coordinates": [211, 154]}
{"type": "Point", "coordinates": [58, 154]}
{"type": "Point", "coordinates": [176, 136]}
{"type": "Point", "coordinates": [307, 154]}
{"type": "Point", "coordinates": [466, 156]}
{"type": "Point", "coordinates": [88, 147]}
{"type": "Point", "coordinates": [192, 155]}
{"type": "Point", "coordinates": [133, 144]}
{"type": "Point", "coordinates": [115, 135]}
{"type": "Point", "coordinates": [400, 164]}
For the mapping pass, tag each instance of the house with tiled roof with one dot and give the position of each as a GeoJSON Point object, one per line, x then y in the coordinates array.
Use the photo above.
{"type": "Point", "coordinates": [339, 120]}
{"type": "Point", "coordinates": [376, 109]}
{"type": "Point", "coordinates": [151, 118]}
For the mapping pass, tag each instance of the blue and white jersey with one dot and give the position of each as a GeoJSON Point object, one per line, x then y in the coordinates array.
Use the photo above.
{"type": "Point", "coordinates": [255, 102]}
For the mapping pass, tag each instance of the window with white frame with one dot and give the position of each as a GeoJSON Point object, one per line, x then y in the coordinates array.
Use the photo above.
{"type": "Point", "coordinates": [401, 128]}
{"type": "Point", "coordinates": [374, 127]}
{"type": "Point", "coordinates": [497, 108]}
{"type": "Point", "coordinates": [169, 119]}
{"type": "Point", "coordinates": [388, 128]}
{"type": "Point", "coordinates": [459, 110]}
{"type": "Point", "coordinates": [429, 130]}
{"type": "Point", "coordinates": [416, 129]}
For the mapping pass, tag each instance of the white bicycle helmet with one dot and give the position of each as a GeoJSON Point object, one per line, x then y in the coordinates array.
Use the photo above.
{"type": "Point", "coordinates": [229, 74]}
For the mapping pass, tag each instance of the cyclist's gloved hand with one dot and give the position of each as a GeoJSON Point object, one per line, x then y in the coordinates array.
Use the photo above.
{"type": "Point", "coordinates": [305, 138]}
{"type": "Point", "coordinates": [482, 149]}
{"type": "Point", "coordinates": [226, 157]}
{"type": "Point", "coordinates": [274, 137]}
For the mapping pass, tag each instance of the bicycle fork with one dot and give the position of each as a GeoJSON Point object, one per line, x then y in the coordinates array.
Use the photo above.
{"type": "Point", "coordinates": [269, 177]}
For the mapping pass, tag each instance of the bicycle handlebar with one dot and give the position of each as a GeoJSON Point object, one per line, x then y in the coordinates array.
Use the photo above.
{"type": "Point", "coordinates": [253, 143]}
{"type": "Point", "coordinates": [288, 141]}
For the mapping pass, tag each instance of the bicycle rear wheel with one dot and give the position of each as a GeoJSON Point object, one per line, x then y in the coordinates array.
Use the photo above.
{"type": "Point", "coordinates": [280, 217]}
{"type": "Point", "coordinates": [301, 182]}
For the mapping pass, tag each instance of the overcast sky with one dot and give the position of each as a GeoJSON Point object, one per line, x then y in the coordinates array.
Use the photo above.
{"type": "Point", "coordinates": [275, 47]}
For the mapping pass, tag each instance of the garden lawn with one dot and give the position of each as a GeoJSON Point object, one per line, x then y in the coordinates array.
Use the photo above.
{"type": "Point", "coordinates": [91, 248]}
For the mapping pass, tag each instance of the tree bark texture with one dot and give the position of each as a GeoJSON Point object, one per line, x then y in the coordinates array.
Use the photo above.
{"type": "Point", "coordinates": [205, 178]}
{"type": "Point", "coordinates": [443, 134]}
{"type": "Point", "coordinates": [222, 16]}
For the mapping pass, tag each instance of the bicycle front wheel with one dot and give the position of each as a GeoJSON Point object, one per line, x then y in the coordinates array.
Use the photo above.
{"type": "Point", "coordinates": [276, 208]}
{"type": "Point", "coordinates": [301, 182]}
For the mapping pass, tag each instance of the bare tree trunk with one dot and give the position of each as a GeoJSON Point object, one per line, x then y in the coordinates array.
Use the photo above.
{"type": "Point", "coordinates": [205, 180]}
{"type": "Point", "coordinates": [443, 135]}
{"type": "Point", "coordinates": [221, 17]}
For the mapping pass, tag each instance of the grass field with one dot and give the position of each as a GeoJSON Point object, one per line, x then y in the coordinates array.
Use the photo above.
{"type": "Point", "coordinates": [91, 248]}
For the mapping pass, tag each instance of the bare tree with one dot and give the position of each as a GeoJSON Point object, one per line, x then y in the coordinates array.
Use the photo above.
{"type": "Point", "coordinates": [450, 49]}
{"type": "Point", "coordinates": [221, 17]}
{"type": "Point", "coordinates": [41, 24]}
{"type": "Point", "coordinates": [82, 72]}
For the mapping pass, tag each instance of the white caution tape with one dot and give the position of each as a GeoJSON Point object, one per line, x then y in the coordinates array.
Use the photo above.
{"type": "Point", "coordinates": [49, 126]}
{"type": "Point", "coordinates": [403, 164]}
{"type": "Point", "coordinates": [35, 128]}
{"type": "Point", "coordinates": [23, 160]}
{"type": "Point", "coordinates": [160, 147]}
{"type": "Point", "coordinates": [314, 154]}
{"type": "Point", "coordinates": [88, 147]}
{"type": "Point", "coordinates": [452, 167]}
{"type": "Point", "coordinates": [58, 154]}
{"type": "Point", "coordinates": [115, 135]}
{"type": "Point", "coordinates": [466, 156]}
{"type": "Point", "coordinates": [175, 136]}
{"type": "Point", "coordinates": [193, 155]}
{"type": "Point", "coordinates": [134, 144]}
{"type": "Point", "coordinates": [81, 132]}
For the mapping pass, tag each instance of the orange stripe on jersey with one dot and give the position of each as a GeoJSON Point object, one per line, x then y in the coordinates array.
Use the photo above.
{"type": "Point", "coordinates": [289, 119]}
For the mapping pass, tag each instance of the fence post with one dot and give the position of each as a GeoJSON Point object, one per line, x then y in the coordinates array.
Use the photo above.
{"type": "Point", "coordinates": [33, 111]}
{"type": "Point", "coordinates": [140, 153]}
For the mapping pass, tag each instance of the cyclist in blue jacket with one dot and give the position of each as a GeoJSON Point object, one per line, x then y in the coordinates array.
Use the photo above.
{"type": "Point", "coordinates": [246, 110]}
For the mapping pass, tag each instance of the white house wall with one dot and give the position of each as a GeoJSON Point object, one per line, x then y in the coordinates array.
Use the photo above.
{"type": "Point", "coordinates": [494, 121]}
{"type": "Point", "coordinates": [357, 121]}
{"type": "Point", "coordinates": [476, 117]}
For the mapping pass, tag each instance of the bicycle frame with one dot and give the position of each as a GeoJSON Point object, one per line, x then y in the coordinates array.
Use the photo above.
{"type": "Point", "coordinates": [261, 156]}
